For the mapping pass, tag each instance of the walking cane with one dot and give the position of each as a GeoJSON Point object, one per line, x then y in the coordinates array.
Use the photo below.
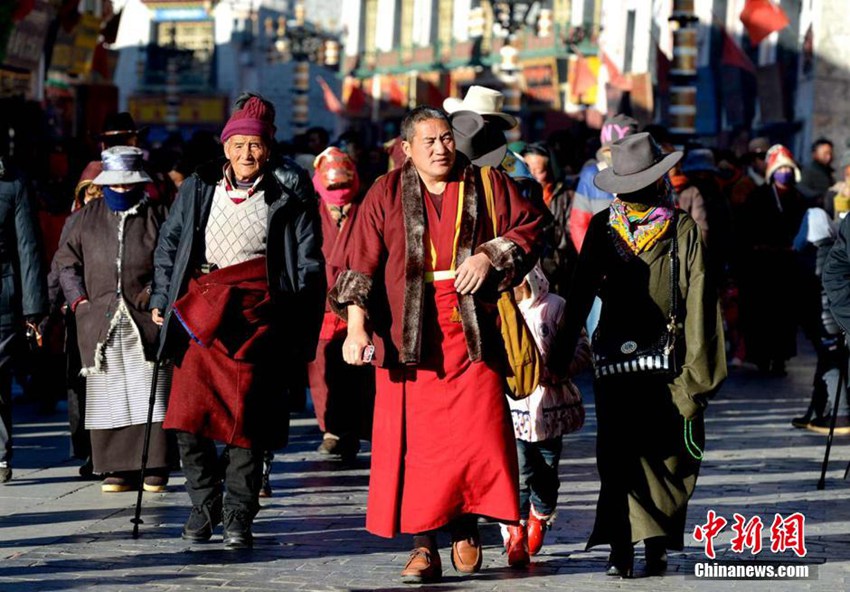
{"type": "Point", "coordinates": [145, 448]}
{"type": "Point", "coordinates": [842, 383]}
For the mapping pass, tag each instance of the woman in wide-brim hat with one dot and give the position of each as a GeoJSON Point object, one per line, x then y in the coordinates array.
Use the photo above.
{"type": "Point", "coordinates": [106, 270]}
{"type": "Point", "coordinates": [650, 427]}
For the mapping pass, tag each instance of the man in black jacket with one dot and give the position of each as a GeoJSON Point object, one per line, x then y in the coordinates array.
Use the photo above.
{"type": "Point", "coordinates": [819, 176]}
{"type": "Point", "coordinates": [239, 291]}
{"type": "Point", "coordinates": [23, 292]}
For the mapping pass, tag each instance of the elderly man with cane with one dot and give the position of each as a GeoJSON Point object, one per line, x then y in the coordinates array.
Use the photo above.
{"type": "Point", "coordinates": [239, 290]}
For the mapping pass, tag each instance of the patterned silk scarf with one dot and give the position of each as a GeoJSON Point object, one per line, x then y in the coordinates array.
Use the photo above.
{"type": "Point", "coordinates": [637, 230]}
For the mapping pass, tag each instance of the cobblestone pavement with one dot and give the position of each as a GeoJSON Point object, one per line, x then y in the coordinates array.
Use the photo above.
{"type": "Point", "coordinates": [59, 533]}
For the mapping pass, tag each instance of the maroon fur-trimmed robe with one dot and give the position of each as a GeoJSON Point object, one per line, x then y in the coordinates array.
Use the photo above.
{"type": "Point", "coordinates": [433, 423]}
{"type": "Point", "coordinates": [229, 386]}
{"type": "Point", "coordinates": [343, 396]}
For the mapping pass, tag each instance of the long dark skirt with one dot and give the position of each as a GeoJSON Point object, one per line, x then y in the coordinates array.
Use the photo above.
{"type": "Point", "coordinates": [120, 449]}
{"type": "Point", "coordinates": [647, 474]}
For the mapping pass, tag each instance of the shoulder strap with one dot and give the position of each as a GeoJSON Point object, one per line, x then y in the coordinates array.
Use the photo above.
{"type": "Point", "coordinates": [674, 269]}
{"type": "Point", "coordinates": [489, 198]}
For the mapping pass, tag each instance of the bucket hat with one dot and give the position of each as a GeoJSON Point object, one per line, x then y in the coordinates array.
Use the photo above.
{"type": "Point", "coordinates": [636, 162]}
{"type": "Point", "coordinates": [122, 165]}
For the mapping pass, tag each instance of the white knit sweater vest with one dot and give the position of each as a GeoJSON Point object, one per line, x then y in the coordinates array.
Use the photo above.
{"type": "Point", "coordinates": [236, 232]}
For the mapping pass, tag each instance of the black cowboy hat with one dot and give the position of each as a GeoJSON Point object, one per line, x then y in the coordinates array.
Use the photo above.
{"type": "Point", "coordinates": [482, 144]}
{"type": "Point", "coordinates": [636, 162]}
{"type": "Point", "coordinates": [119, 124]}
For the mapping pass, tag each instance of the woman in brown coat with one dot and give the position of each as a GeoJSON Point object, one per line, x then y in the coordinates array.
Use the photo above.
{"type": "Point", "coordinates": [106, 269]}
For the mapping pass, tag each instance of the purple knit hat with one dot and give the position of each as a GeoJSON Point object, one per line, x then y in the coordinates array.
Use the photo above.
{"type": "Point", "coordinates": [253, 119]}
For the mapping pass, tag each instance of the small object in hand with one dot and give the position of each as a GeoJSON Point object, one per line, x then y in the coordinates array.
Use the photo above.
{"type": "Point", "coordinates": [33, 336]}
{"type": "Point", "coordinates": [368, 353]}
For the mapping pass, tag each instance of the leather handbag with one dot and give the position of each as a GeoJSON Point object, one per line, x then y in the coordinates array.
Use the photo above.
{"type": "Point", "coordinates": [523, 358]}
{"type": "Point", "coordinates": [654, 356]}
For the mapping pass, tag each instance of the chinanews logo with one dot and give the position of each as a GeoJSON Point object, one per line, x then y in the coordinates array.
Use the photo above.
{"type": "Point", "coordinates": [787, 537]}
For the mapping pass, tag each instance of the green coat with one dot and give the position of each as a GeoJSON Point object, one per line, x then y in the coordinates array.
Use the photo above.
{"type": "Point", "coordinates": [647, 473]}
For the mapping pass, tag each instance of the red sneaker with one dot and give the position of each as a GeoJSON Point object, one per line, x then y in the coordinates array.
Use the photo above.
{"type": "Point", "coordinates": [517, 546]}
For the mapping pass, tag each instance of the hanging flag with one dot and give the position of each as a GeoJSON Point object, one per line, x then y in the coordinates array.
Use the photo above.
{"type": "Point", "coordinates": [616, 78]}
{"type": "Point", "coordinates": [333, 104]}
{"type": "Point", "coordinates": [761, 18]}
{"type": "Point", "coordinates": [585, 79]}
{"type": "Point", "coordinates": [734, 56]}
{"type": "Point", "coordinates": [354, 97]}
{"type": "Point", "coordinates": [395, 94]}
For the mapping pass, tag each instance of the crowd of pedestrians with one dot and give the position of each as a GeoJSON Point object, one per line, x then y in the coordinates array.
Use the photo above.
{"type": "Point", "coordinates": [437, 299]}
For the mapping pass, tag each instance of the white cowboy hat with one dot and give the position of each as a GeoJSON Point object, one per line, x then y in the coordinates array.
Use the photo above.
{"type": "Point", "coordinates": [484, 101]}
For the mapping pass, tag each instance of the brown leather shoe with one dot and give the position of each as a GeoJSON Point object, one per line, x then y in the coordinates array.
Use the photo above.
{"type": "Point", "coordinates": [424, 566]}
{"type": "Point", "coordinates": [466, 555]}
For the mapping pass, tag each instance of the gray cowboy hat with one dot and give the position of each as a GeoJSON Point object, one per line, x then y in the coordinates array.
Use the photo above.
{"type": "Point", "coordinates": [636, 162]}
{"type": "Point", "coordinates": [482, 144]}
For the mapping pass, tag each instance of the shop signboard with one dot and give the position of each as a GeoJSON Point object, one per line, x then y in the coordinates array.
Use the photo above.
{"type": "Point", "coordinates": [193, 110]}
{"type": "Point", "coordinates": [542, 84]}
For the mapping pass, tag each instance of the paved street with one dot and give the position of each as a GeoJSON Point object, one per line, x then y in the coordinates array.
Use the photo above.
{"type": "Point", "coordinates": [59, 533]}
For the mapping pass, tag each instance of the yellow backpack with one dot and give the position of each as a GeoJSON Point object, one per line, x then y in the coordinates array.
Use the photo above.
{"type": "Point", "coordinates": [524, 359]}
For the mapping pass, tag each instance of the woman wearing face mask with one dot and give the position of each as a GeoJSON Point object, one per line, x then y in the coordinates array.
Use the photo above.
{"type": "Point", "coordinates": [658, 354]}
{"type": "Point", "coordinates": [770, 280]}
{"type": "Point", "coordinates": [105, 269]}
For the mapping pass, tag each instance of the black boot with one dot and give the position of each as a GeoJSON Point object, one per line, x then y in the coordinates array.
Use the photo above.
{"type": "Point", "coordinates": [621, 561]}
{"type": "Point", "coordinates": [237, 529]}
{"type": "Point", "coordinates": [656, 556]}
{"type": "Point", "coordinates": [202, 520]}
{"type": "Point", "coordinates": [805, 419]}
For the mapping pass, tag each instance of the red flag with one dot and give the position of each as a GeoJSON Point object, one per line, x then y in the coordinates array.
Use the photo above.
{"type": "Point", "coordinates": [615, 77]}
{"type": "Point", "coordinates": [761, 18]}
{"type": "Point", "coordinates": [396, 94]}
{"type": "Point", "coordinates": [734, 56]}
{"type": "Point", "coordinates": [333, 104]}
{"type": "Point", "coordinates": [356, 100]}
{"type": "Point", "coordinates": [585, 78]}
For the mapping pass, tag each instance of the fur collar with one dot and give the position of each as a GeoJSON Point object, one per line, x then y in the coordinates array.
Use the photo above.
{"type": "Point", "coordinates": [414, 289]}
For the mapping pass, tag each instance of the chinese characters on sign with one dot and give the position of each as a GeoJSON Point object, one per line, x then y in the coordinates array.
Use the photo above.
{"type": "Point", "coordinates": [786, 534]}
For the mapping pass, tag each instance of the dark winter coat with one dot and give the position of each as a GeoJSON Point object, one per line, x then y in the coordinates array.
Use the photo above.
{"type": "Point", "coordinates": [23, 291]}
{"type": "Point", "coordinates": [99, 248]}
{"type": "Point", "coordinates": [295, 265]}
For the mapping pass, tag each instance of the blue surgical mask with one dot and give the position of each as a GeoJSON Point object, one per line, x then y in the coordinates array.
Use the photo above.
{"type": "Point", "coordinates": [783, 177]}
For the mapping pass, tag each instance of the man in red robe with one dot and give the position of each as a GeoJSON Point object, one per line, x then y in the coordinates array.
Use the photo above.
{"type": "Point", "coordinates": [423, 273]}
